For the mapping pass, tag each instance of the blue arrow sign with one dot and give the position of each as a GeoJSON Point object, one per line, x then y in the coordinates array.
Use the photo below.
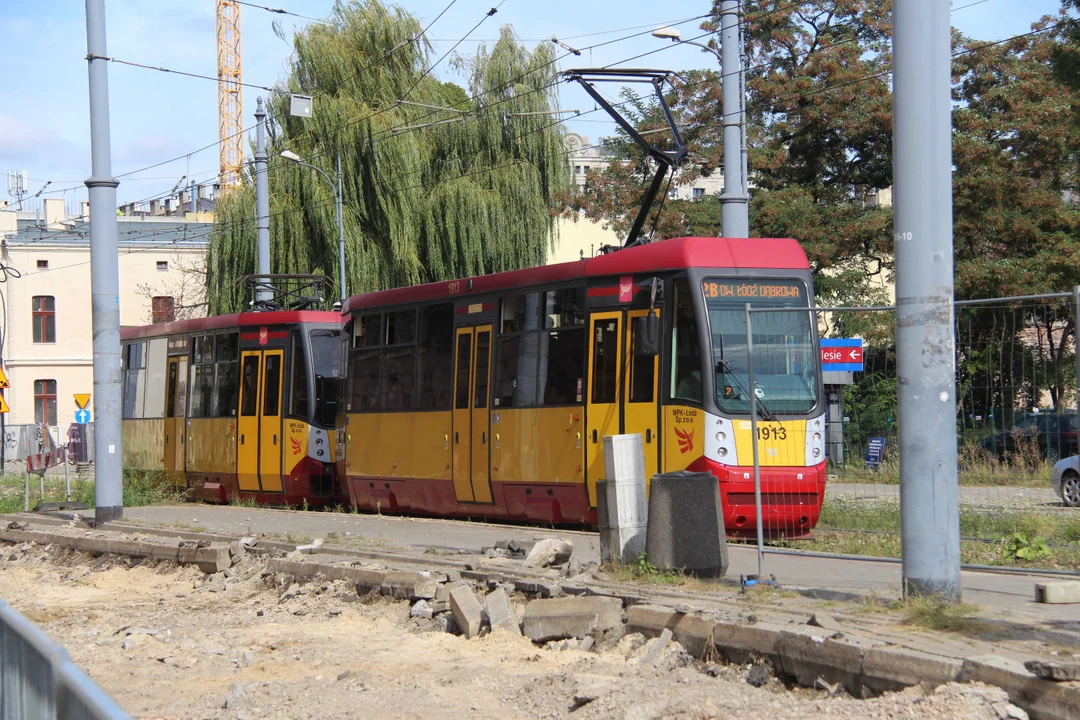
{"type": "Point", "coordinates": [842, 354]}
{"type": "Point", "coordinates": [82, 416]}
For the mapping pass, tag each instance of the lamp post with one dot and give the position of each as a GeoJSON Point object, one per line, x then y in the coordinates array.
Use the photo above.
{"type": "Point", "coordinates": [735, 215]}
{"type": "Point", "coordinates": [293, 157]}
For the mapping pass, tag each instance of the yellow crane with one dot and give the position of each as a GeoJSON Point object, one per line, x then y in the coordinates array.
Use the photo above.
{"type": "Point", "coordinates": [230, 101]}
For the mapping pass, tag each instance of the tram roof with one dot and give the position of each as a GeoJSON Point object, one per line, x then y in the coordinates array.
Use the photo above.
{"type": "Point", "coordinates": [222, 322]}
{"type": "Point", "coordinates": [673, 254]}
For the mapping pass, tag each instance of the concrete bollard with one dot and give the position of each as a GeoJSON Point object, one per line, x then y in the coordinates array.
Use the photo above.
{"type": "Point", "coordinates": [626, 507]}
{"type": "Point", "coordinates": [686, 524]}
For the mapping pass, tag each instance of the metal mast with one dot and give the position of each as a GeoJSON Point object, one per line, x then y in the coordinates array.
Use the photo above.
{"type": "Point", "coordinates": [230, 101]}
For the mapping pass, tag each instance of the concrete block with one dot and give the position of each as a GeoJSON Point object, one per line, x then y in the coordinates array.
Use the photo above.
{"type": "Point", "coordinates": [543, 588]}
{"type": "Point", "coordinates": [744, 643]}
{"type": "Point", "coordinates": [887, 669]}
{"type": "Point", "coordinates": [1058, 593]}
{"type": "Point", "coordinates": [467, 610]}
{"type": "Point", "coordinates": [1052, 670]}
{"type": "Point", "coordinates": [500, 614]}
{"type": "Point", "coordinates": [659, 645]}
{"type": "Point", "coordinates": [694, 633]}
{"type": "Point", "coordinates": [686, 524]}
{"type": "Point", "coordinates": [409, 585]}
{"type": "Point", "coordinates": [574, 617]}
{"type": "Point", "coordinates": [368, 580]}
{"type": "Point", "coordinates": [808, 654]}
{"type": "Point", "coordinates": [549, 551]}
{"type": "Point", "coordinates": [1043, 699]}
{"type": "Point", "coordinates": [442, 592]}
{"type": "Point", "coordinates": [213, 559]}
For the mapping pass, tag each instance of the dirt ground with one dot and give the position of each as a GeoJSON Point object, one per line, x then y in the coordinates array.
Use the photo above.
{"type": "Point", "coordinates": [167, 643]}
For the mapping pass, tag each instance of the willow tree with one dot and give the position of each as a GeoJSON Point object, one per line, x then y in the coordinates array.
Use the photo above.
{"type": "Point", "coordinates": [440, 181]}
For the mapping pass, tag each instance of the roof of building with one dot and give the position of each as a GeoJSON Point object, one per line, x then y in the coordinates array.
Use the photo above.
{"type": "Point", "coordinates": [130, 231]}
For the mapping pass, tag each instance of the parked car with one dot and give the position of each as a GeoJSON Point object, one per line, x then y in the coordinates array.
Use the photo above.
{"type": "Point", "coordinates": [1054, 437]}
{"type": "Point", "coordinates": [1066, 481]}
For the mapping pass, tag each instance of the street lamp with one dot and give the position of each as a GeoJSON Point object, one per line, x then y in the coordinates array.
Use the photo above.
{"type": "Point", "coordinates": [293, 157]}
{"type": "Point", "coordinates": [674, 35]}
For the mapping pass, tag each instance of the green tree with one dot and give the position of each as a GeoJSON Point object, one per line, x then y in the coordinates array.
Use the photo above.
{"type": "Point", "coordinates": [429, 194]}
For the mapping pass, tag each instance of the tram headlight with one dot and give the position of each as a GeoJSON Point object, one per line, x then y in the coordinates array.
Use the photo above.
{"type": "Point", "coordinates": [722, 452]}
{"type": "Point", "coordinates": [721, 437]}
{"type": "Point", "coordinates": [318, 441]}
{"type": "Point", "coordinates": [817, 437]}
{"type": "Point", "coordinates": [817, 452]}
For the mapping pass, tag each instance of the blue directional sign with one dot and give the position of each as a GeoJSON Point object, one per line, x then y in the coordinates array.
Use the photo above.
{"type": "Point", "coordinates": [842, 354]}
{"type": "Point", "coordinates": [82, 416]}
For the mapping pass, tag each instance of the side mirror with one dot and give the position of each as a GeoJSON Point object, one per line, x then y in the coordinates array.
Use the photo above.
{"type": "Point", "coordinates": [647, 331]}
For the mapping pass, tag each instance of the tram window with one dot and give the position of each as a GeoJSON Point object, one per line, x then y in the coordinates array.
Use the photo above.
{"type": "Point", "coordinates": [134, 380]}
{"type": "Point", "coordinates": [364, 379]}
{"type": "Point", "coordinates": [464, 360]}
{"type": "Point", "coordinates": [156, 362]}
{"type": "Point", "coordinates": [226, 389]}
{"type": "Point", "coordinates": [204, 349]}
{"type": "Point", "coordinates": [564, 308]}
{"type": "Point", "coordinates": [685, 347]}
{"type": "Point", "coordinates": [483, 363]}
{"type": "Point", "coordinates": [226, 347]}
{"type": "Point", "coordinates": [401, 327]}
{"type": "Point", "coordinates": [134, 356]}
{"type": "Point", "coordinates": [369, 331]}
{"type": "Point", "coordinates": [564, 351]}
{"type": "Point", "coordinates": [325, 361]}
{"type": "Point", "coordinates": [515, 371]}
{"type": "Point", "coordinates": [202, 391]}
{"type": "Point", "coordinates": [170, 390]}
{"type": "Point", "coordinates": [605, 366]}
{"type": "Point", "coordinates": [519, 313]}
{"type": "Point", "coordinates": [398, 378]}
{"type": "Point", "coordinates": [272, 386]}
{"type": "Point", "coordinates": [250, 405]}
{"type": "Point", "coordinates": [298, 398]}
{"type": "Point", "coordinates": [435, 357]}
{"type": "Point", "coordinates": [642, 373]}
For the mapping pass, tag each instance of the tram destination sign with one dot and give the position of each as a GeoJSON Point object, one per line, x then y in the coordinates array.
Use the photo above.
{"type": "Point", "coordinates": [841, 354]}
{"type": "Point", "coordinates": [751, 290]}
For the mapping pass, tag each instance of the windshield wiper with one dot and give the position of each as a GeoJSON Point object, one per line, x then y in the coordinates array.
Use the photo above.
{"type": "Point", "coordinates": [763, 410]}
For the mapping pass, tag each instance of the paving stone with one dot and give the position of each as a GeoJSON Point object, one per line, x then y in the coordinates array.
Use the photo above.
{"type": "Point", "coordinates": [543, 588]}
{"type": "Point", "coordinates": [1061, 592]}
{"type": "Point", "coordinates": [467, 610]}
{"type": "Point", "coordinates": [574, 617]}
{"type": "Point", "coordinates": [658, 646]}
{"type": "Point", "coordinates": [1050, 670]}
{"type": "Point", "coordinates": [408, 585]}
{"type": "Point", "coordinates": [500, 614]}
{"type": "Point", "coordinates": [446, 623]}
{"type": "Point", "coordinates": [442, 592]}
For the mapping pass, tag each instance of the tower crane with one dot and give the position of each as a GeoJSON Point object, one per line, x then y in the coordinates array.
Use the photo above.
{"type": "Point", "coordinates": [230, 101]}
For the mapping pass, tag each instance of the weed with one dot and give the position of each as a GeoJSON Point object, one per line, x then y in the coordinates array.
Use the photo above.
{"type": "Point", "coordinates": [431, 550]}
{"type": "Point", "coordinates": [295, 539]}
{"type": "Point", "coordinates": [244, 502]}
{"type": "Point", "coordinates": [641, 570]}
{"type": "Point", "coordinates": [305, 505]}
{"type": "Point", "coordinates": [938, 615]}
{"type": "Point", "coordinates": [1022, 547]}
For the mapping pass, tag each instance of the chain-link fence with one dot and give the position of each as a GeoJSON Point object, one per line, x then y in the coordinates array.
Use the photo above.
{"type": "Point", "coordinates": [38, 680]}
{"type": "Point", "coordinates": [1015, 418]}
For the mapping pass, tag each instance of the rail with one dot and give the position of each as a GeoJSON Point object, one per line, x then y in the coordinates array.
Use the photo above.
{"type": "Point", "coordinates": [38, 681]}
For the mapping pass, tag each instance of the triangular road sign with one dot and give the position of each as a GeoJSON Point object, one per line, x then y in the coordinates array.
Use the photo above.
{"type": "Point", "coordinates": [82, 400]}
{"type": "Point", "coordinates": [3, 405]}
{"type": "Point", "coordinates": [4, 384]}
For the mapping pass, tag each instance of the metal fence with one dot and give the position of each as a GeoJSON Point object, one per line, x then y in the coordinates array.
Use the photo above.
{"type": "Point", "coordinates": [38, 681]}
{"type": "Point", "coordinates": [1016, 385]}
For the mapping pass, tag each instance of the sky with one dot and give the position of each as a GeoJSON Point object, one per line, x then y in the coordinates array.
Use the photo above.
{"type": "Point", "coordinates": [44, 98]}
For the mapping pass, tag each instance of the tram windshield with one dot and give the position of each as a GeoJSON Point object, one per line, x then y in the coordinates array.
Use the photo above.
{"type": "Point", "coordinates": [326, 357]}
{"type": "Point", "coordinates": [785, 368]}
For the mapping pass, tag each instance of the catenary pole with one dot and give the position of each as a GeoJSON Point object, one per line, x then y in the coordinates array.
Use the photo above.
{"type": "Point", "coordinates": [926, 360]}
{"type": "Point", "coordinates": [262, 205]}
{"type": "Point", "coordinates": [734, 214]}
{"type": "Point", "coordinates": [104, 280]}
{"type": "Point", "coordinates": [341, 237]}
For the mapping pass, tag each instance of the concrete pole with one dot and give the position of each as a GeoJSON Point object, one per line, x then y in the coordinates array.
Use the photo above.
{"type": "Point", "coordinates": [193, 200]}
{"type": "Point", "coordinates": [104, 280]}
{"type": "Point", "coordinates": [926, 359]}
{"type": "Point", "coordinates": [734, 216]}
{"type": "Point", "coordinates": [754, 443]}
{"type": "Point", "coordinates": [262, 203]}
{"type": "Point", "coordinates": [341, 236]}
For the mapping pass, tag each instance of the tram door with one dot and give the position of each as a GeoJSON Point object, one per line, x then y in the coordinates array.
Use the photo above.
{"type": "Point", "coordinates": [258, 455]}
{"type": "Point", "coordinates": [640, 411]}
{"type": "Point", "coordinates": [472, 416]}
{"type": "Point", "coordinates": [602, 411]}
{"type": "Point", "coordinates": [175, 419]}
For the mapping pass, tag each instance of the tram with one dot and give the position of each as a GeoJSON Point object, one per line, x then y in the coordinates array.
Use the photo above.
{"type": "Point", "coordinates": [490, 396]}
{"type": "Point", "coordinates": [236, 407]}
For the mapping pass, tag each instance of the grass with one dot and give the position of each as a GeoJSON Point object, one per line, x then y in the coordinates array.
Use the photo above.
{"type": "Point", "coordinates": [296, 539]}
{"type": "Point", "coordinates": [643, 571]}
{"type": "Point", "coordinates": [989, 536]}
{"type": "Point", "coordinates": [939, 616]}
{"type": "Point", "coordinates": [140, 487]}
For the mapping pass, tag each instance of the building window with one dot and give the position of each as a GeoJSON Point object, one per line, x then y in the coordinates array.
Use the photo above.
{"type": "Point", "coordinates": [699, 193]}
{"type": "Point", "coordinates": [577, 169]}
{"type": "Point", "coordinates": [163, 308]}
{"type": "Point", "coordinates": [42, 264]}
{"type": "Point", "coordinates": [163, 265]}
{"type": "Point", "coordinates": [44, 318]}
{"type": "Point", "coordinates": [45, 402]}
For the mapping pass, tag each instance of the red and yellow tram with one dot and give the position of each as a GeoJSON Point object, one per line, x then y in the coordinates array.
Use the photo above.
{"type": "Point", "coordinates": [236, 406]}
{"type": "Point", "coordinates": [490, 396]}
